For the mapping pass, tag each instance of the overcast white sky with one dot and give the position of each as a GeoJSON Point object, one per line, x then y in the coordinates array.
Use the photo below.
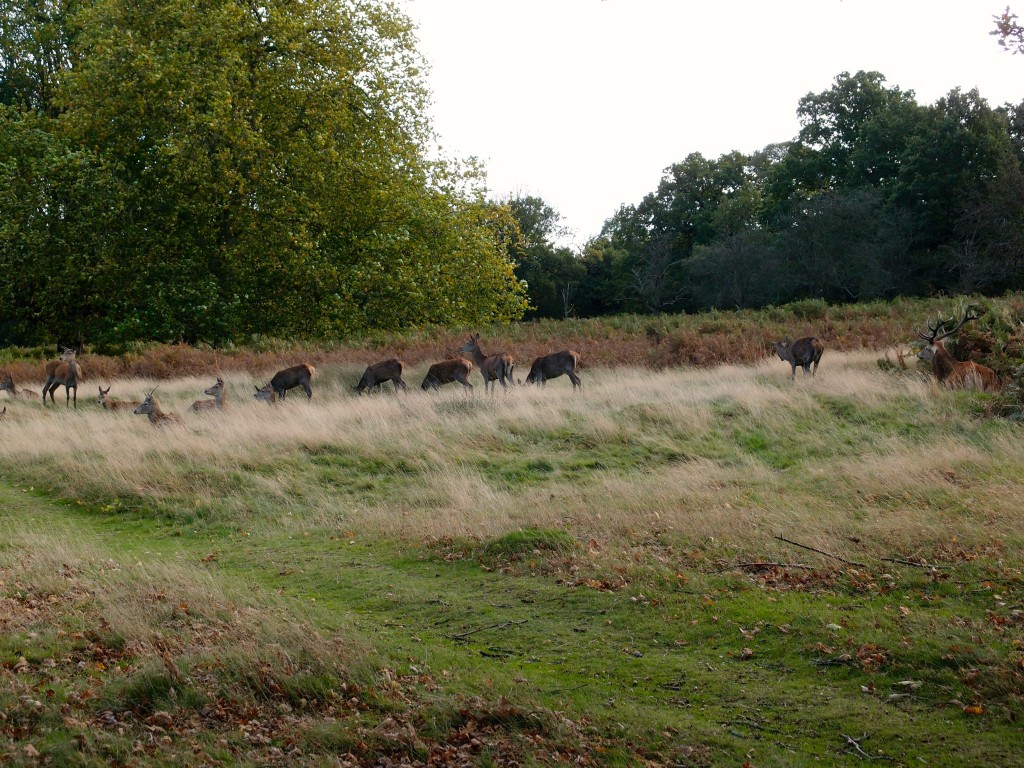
{"type": "Point", "coordinates": [585, 102]}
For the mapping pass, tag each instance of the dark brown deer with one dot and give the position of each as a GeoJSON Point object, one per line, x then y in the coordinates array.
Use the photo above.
{"type": "Point", "coordinates": [447, 371]}
{"type": "Point", "coordinates": [554, 365]}
{"type": "Point", "coordinates": [380, 373]}
{"type": "Point", "coordinates": [157, 417]}
{"type": "Point", "coordinates": [296, 376]}
{"type": "Point", "coordinates": [955, 374]}
{"type": "Point", "coordinates": [63, 372]}
{"type": "Point", "coordinates": [217, 392]}
{"type": "Point", "coordinates": [802, 352]}
{"type": "Point", "coordinates": [497, 367]}
{"type": "Point", "coordinates": [266, 393]}
{"type": "Point", "coordinates": [112, 404]}
{"type": "Point", "coordinates": [8, 384]}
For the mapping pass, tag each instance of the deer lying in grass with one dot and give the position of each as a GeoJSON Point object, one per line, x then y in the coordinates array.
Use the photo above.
{"type": "Point", "coordinates": [955, 374]}
{"type": "Point", "coordinates": [497, 367]}
{"type": "Point", "coordinates": [112, 404]}
{"type": "Point", "coordinates": [802, 352]}
{"type": "Point", "coordinates": [380, 373]}
{"type": "Point", "coordinates": [296, 376]}
{"type": "Point", "coordinates": [157, 417]}
{"type": "Point", "coordinates": [218, 392]}
{"type": "Point", "coordinates": [447, 371]}
{"type": "Point", "coordinates": [63, 372]}
{"type": "Point", "coordinates": [266, 393]}
{"type": "Point", "coordinates": [8, 384]}
{"type": "Point", "coordinates": [554, 365]}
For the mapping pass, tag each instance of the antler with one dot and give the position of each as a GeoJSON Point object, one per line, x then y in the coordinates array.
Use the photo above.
{"type": "Point", "coordinates": [934, 335]}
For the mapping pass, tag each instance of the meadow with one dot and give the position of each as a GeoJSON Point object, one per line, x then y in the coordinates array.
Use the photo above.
{"type": "Point", "coordinates": [675, 566]}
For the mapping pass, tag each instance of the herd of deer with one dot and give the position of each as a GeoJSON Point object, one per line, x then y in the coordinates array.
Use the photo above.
{"type": "Point", "coordinates": [803, 353]}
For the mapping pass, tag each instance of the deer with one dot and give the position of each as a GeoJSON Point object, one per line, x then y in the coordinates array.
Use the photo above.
{"type": "Point", "coordinates": [953, 373]}
{"type": "Point", "coordinates": [447, 371]}
{"type": "Point", "coordinates": [379, 373]}
{"type": "Point", "coordinates": [802, 352]}
{"type": "Point", "coordinates": [497, 367]}
{"type": "Point", "coordinates": [219, 394]}
{"type": "Point", "coordinates": [157, 417]}
{"type": "Point", "coordinates": [111, 404]}
{"type": "Point", "coordinates": [8, 384]}
{"type": "Point", "coordinates": [64, 371]}
{"type": "Point", "coordinates": [266, 393]}
{"type": "Point", "coordinates": [554, 365]}
{"type": "Point", "coordinates": [296, 376]}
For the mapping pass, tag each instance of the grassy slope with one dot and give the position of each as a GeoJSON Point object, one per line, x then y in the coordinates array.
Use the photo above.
{"type": "Point", "coordinates": [536, 572]}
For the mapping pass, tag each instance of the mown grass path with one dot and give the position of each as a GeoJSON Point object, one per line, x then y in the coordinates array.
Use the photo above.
{"type": "Point", "coordinates": [711, 669]}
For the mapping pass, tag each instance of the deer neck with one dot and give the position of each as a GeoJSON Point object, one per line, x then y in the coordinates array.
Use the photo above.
{"type": "Point", "coordinates": [942, 362]}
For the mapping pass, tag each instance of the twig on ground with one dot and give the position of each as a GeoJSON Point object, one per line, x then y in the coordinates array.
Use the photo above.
{"type": "Point", "coordinates": [763, 565]}
{"type": "Point", "coordinates": [821, 552]}
{"type": "Point", "coordinates": [500, 625]}
{"type": "Point", "coordinates": [855, 743]}
{"type": "Point", "coordinates": [911, 562]}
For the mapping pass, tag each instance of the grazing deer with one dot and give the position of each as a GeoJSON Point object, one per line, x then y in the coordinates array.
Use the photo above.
{"type": "Point", "coordinates": [955, 374]}
{"type": "Point", "coordinates": [150, 407]}
{"type": "Point", "coordinates": [218, 392]}
{"type": "Point", "coordinates": [64, 371]}
{"type": "Point", "coordinates": [554, 365]}
{"type": "Point", "coordinates": [497, 367]}
{"type": "Point", "coordinates": [266, 393]}
{"type": "Point", "coordinates": [801, 352]}
{"type": "Point", "coordinates": [8, 384]}
{"type": "Point", "coordinates": [447, 371]}
{"type": "Point", "coordinates": [112, 404]}
{"type": "Point", "coordinates": [296, 376]}
{"type": "Point", "coordinates": [379, 373]}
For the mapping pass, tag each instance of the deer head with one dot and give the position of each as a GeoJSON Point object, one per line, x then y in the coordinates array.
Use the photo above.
{"type": "Point", "coordinates": [937, 332]}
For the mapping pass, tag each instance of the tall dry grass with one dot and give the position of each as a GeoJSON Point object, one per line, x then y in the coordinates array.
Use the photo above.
{"type": "Point", "coordinates": [729, 456]}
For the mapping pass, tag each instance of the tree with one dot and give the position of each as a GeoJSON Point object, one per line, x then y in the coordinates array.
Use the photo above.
{"type": "Point", "coordinates": [1009, 31]}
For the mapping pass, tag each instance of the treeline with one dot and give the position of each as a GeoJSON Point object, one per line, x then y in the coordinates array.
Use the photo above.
{"type": "Point", "coordinates": [878, 196]}
{"type": "Point", "coordinates": [207, 170]}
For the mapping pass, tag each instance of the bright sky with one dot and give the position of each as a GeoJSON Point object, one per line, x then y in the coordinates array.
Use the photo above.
{"type": "Point", "coordinates": [585, 102]}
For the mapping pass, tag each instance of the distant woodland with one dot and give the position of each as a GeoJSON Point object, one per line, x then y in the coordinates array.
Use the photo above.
{"type": "Point", "coordinates": [214, 171]}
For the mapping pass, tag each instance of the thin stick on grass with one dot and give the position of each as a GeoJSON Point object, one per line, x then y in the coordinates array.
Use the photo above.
{"type": "Point", "coordinates": [821, 552]}
{"type": "Point", "coordinates": [911, 562]}
{"type": "Point", "coordinates": [763, 565]}
{"type": "Point", "coordinates": [500, 625]}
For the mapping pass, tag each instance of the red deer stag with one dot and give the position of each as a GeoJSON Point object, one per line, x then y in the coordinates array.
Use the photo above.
{"type": "Point", "coordinates": [8, 384]}
{"type": "Point", "coordinates": [497, 367]}
{"type": "Point", "coordinates": [380, 373]}
{"type": "Point", "coordinates": [955, 374]}
{"type": "Point", "coordinates": [554, 365]}
{"type": "Point", "coordinates": [218, 392]}
{"type": "Point", "coordinates": [266, 393]}
{"type": "Point", "coordinates": [296, 376]}
{"type": "Point", "coordinates": [801, 352]}
{"type": "Point", "coordinates": [64, 371]}
{"type": "Point", "coordinates": [157, 417]}
{"type": "Point", "coordinates": [447, 371]}
{"type": "Point", "coordinates": [111, 404]}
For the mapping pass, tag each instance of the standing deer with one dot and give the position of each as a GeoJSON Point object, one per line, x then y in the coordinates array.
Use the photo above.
{"type": "Point", "coordinates": [554, 365]}
{"type": "Point", "coordinates": [296, 376]}
{"type": "Point", "coordinates": [8, 384]}
{"type": "Point", "coordinates": [379, 373]}
{"type": "Point", "coordinates": [801, 352]}
{"type": "Point", "coordinates": [955, 374]}
{"type": "Point", "coordinates": [150, 407]}
{"type": "Point", "coordinates": [218, 392]}
{"type": "Point", "coordinates": [497, 367]}
{"type": "Point", "coordinates": [64, 371]}
{"type": "Point", "coordinates": [111, 404]}
{"type": "Point", "coordinates": [266, 393]}
{"type": "Point", "coordinates": [447, 371]}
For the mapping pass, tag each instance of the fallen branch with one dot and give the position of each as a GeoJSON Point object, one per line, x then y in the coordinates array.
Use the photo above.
{"type": "Point", "coordinates": [856, 745]}
{"type": "Point", "coordinates": [821, 552]}
{"type": "Point", "coordinates": [501, 625]}
{"type": "Point", "coordinates": [764, 565]}
{"type": "Point", "coordinates": [911, 562]}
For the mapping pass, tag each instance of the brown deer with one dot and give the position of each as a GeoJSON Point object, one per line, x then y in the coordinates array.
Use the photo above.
{"type": "Point", "coordinates": [266, 393]}
{"type": "Point", "coordinates": [554, 365]}
{"type": "Point", "coordinates": [296, 376]}
{"type": "Point", "coordinates": [157, 417]}
{"type": "Point", "coordinates": [64, 371]}
{"type": "Point", "coordinates": [112, 404]}
{"type": "Point", "coordinates": [955, 374]}
{"type": "Point", "coordinates": [8, 384]}
{"type": "Point", "coordinates": [447, 371]}
{"type": "Point", "coordinates": [802, 352]}
{"type": "Point", "coordinates": [497, 367]}
{"type": "Point", "coordinates": [380, 373]}
{"type": "Point", "coordinates": [219, 394]}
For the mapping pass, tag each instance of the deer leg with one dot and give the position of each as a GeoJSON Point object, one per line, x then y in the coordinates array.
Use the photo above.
{"type": "Point", "coordinates": [399, 383]}
{"type": "Point", "coordinates": [309, 390]}
{"type": "Point", "coordinates": [575, 380]}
